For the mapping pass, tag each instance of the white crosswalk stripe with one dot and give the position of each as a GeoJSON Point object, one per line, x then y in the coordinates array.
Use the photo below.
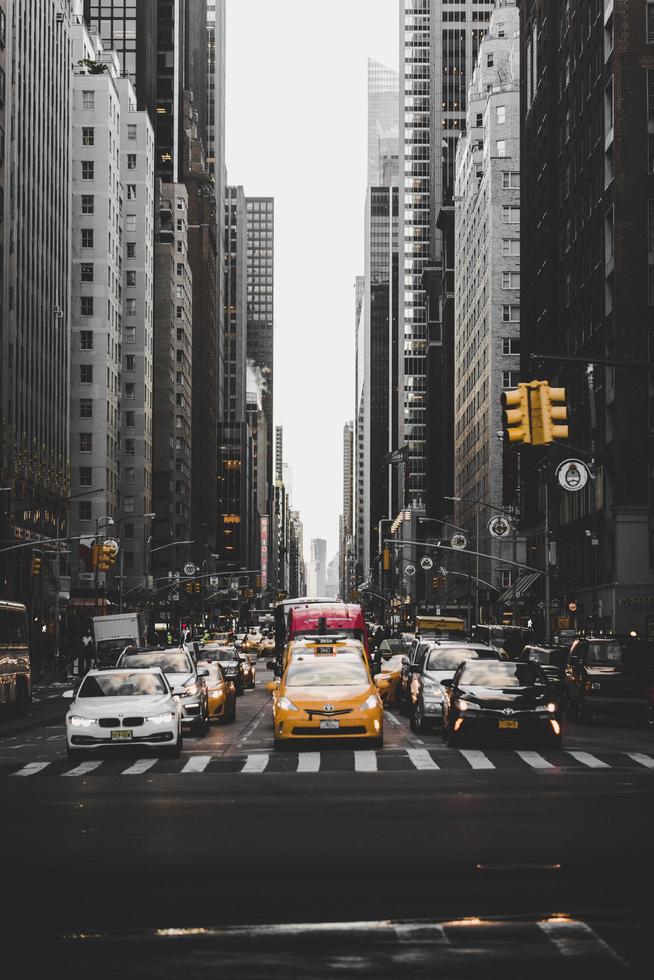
{"type": "Point", "coordinates": [256, 763]}
{"type": "Point", "coordinates": [83, 768]}
{"type": "Point", "coordinates": [421, 759]}
{"type": "Point", "coordinates": [308, 762]}
{"type": "Point", "coordinates": [590, 760]}
{"type": "Point", "coordinates": [32, 768]}
{"type": "Point", "coordinates": [576, 939]}
{"type": "Point", "coordinates": [197, 763]}
{"type": "Point", "coordinates": [642, 759]}
{"type": "Point", "coordinates": [365, 761]}
{"type": "Point", "coordinates": [535, 760]}
{"type": "Point", "coordinates": [476, 759]}
{"type": "Point", "coordinates": [140, 766]}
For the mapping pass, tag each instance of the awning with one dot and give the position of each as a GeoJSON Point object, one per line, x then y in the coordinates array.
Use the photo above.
{"type": "Point", "coordinates": [79, 600]}
{"type": "Point", "coordinates": [524, 583]}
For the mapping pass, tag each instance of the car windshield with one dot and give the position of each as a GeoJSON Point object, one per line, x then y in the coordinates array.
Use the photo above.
{"type": "Point", "coordinates": [392, 646]}
{"type": "Point", "coordinates": [449, 658]}
{"type": "Point", "coordinates": [496, 674]}
{"type": "Point", "coordinates": [121, 685]}
{"type": "Point", "coordinates": [170, 663]}
{"type": "Point", "coordinates": [335, 672]}
{"type": "Point", "coordinates": [227, 654]}
{"type": "Point", "coordinates": [216, 675]}
{"type": "Point", "coordinates": [393, 663]}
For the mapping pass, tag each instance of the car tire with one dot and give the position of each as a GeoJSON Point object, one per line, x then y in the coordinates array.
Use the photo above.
{"type": "Point", "coordinates": [239, 688]}
{"type": "Point", "coordinates": [279, 744]}
{"type": "Point", "coordinates": [229, 714]}
{"type": "Point", "coordinates": [377, 743]}
{"type": "Point", "coordinates": [174, 751]}
{"type": "Point", "coordinates": [451, 738]}
{"type": "Point", "coordinates": [418, 723]}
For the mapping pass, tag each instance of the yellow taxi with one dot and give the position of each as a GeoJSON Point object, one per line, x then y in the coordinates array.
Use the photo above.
{"type": "Point", "coordinates": [326, 693]}
{"type": "Point", "coordinates": [387, 680]}
{"type": "Point", "coordinates": [314, 644]}
{"type": "Point", "coordinates": [221, 694]}
{"type": "Point", "coordinates": [252, 641]}
{"type": "Point", "coordinates": [267, 646]}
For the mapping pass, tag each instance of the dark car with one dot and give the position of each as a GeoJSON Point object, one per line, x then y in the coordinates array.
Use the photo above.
{"type": "Point", "coordinates": [552, 660]}
{"type": "Point", "coordinates": [440, 664]}
{"type": "Point", "coordinates": [186, 679]}
{"type": "Point", "coordinates": [498, 699]}
{"type": "Point", "coordinates": [609, 675]}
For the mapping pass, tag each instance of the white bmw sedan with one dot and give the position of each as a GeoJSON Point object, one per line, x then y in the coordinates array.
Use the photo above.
{"type": "Point", "coordinates": [123, 707]}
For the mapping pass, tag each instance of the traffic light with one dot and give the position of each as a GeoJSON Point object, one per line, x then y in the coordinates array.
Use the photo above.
{"type": "Point", "coordinates": [105, 557]}
{"type": "Point", "coordinates": [197, 586]}
{"type": "Point", "coordinates": [36, 565]}
{"type": "Point", "coordinates": [387, 559]}
{"type": "Point", "coordinates": [95, 554]}
{"type": "Point", "coordinates": [515, 403]}
{"type": "Point", "coordinates": [189, 587]}
{"type": "Point", "coordinates": [549, 413]}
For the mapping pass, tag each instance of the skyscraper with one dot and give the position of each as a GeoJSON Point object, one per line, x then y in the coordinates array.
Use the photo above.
{"type": "Point", "coordinates": [260, 300]}
{"type": "Point", "coordinates": [130, 29]}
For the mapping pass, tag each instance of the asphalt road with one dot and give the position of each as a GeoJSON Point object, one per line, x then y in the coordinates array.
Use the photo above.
{"type": "Point", "coordinates": [441, 853]}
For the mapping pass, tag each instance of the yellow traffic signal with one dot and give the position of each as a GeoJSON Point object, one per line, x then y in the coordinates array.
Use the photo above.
{"type": "Point", "coordinates": [105, 557]}
{"type": "Point", "coordinates": [515, 403]}
{"type": "Point", "coordinates": [36, 565]}
{"type": "Point", "coordinates": [197, 586]}
{"type": "Point", "coordinates": [189, 587]}
{"type": "Point", "coordinates": [549, 413]}
{"type": "Point", "coordinates": [95, 554]}
{"type": "Point", "coordinates": [387, 559]}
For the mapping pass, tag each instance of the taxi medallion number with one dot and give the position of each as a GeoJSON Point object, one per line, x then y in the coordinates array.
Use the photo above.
{"type": "Point", "coordinates": [330, 723]}
{"type": "Point", "coordinates": [121, 735]}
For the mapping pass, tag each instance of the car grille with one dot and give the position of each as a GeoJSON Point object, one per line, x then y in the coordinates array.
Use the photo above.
{"type": "Point", "coordinates": [132, 722]}
{"type": "Point", "coordinates": [328, 714]}
{"type": "Point", "coordinates": [317, 732]}
{"type": "Point", "coordinates": [109, 722]}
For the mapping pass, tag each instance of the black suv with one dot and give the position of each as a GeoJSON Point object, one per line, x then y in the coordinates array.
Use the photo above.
{"type": "Point", "coordinates": [552, 660]}
{"type": "Point", "coordinates": [609, 675]}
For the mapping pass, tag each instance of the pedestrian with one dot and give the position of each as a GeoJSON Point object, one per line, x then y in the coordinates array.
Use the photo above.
{"type": "Point", "coordinates": [86, 660]}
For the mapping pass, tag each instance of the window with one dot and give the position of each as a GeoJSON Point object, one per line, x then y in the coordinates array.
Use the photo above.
{"type": "Point", "coordinates": [88, 99]}
{"type": "Point", "coordinates": [129, 531]}
{"type": "Point", "coordinates": [130, 362]}
{"type": "Point", "coordinates": [506, 578]}
{"type": "Point", "coordinates": [130, 278]}
{"type": "Point", "coordinates": [510, 280]}
{"type": "Point", "coordinates": [650, 95]}
{"type": "Point", "coordinates": [130, 474]}
{"type": "Point", "coordinates": [510, 179]}
{"type": "Point", "coordinates": [131, 193]}
{"type": "Point", "coordinates": [131, 131]}
{"type": "Point", "coordinates": [87, 238]}
{"type": "Point", "coordinates": [86, 374]}
{"type": "Point", "coordinates": [88, 136]}
{"type": "Point", "coordinates": [86, 442]}
{"type": "Point", "coordinates": [490, 60]}
{"type": "Point", "coordinates": [84, 510]}
{"type": "Point", "coordinates": [511, 314]}
{"type": "Point", "coordinates": [88, 169]}
{"type": "Point", "coordinates": [87, 204]}
{"type": "Point", "coordinates": [86, 272]}
{"type": "Point", "coordinates": [510, 345]}
{"type": "Point", "coordinates": [180, 245]}
{"type": "Point", "coordinates": [131, 158]}
{"type": "Point", "coordinates": [511, 216]}
{"type": "Point", "coordinates": [510, 379]}
{"type": "Point", "coordinates": [510, 246]}
{"type": "Point", "coordinates": [650, 21]}
{"type": "Point", "coordinates": [86, 408]}
{"type": "Point", "coordinates": [501, 114]}
{"type": "Point", "coordinates": [128, 502]}
{"type": "Point", "coordinates": [85, 476]}
{"type": "Point", "coordinates": [130, 223]}
{"type": "Point", "coordinates": [86, 340]}
{"type": "Point", "coordinates": [131, 250]}
{"type": "Point", "coordinates": [179, 311]}
{"type": "Point", "coordinates": [130, 389]}
{"type": "Point", "coordinates": [130, 419]}
{"type": "Point", "coordinates": [86, 306]}
{"type": "Point", "coordinates": [500, 148]}
{"type": "Point", "coordinates": [479, 121]}
{"type": "Point", "coordinates": [130, 335]}
{"type": "Point", "coordinates": [130, 306]}
{"type": "Point", "coordinates": [130, 447]}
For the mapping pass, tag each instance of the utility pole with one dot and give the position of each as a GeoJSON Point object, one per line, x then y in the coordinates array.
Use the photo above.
{"type": "Point", "coordinates": [546, 473]}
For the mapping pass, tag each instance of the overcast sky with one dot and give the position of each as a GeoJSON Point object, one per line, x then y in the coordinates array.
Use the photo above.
{"type": "Point", "coordinates": [296, 130]}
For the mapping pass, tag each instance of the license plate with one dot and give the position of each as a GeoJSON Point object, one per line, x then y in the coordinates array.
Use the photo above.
{"type": "Point", "coordinates": [330, 723]}
{"type": "Point", "coordinates": [509, 724]}
{"type": "Point", "coordinates": [121, 735]}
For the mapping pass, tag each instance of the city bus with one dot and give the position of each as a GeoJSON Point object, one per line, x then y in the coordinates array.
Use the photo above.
{"type": "Point", "coordinates": [15, 672]}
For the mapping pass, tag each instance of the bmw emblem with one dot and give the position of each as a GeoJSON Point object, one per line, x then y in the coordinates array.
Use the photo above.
{"type": "Point", "coordinates": [328, 707]}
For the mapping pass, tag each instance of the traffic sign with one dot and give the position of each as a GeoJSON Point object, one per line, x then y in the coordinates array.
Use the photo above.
{"type": "Point", "coordinates": [572, 475]}
{"type": "Point", "coordinates": [459, 541]}
{"type": "Point", "coordinates": [113, 544]}
{"type": "Point", "coordinates": [572, 606]}
{"type": "Point", "coordinates": [410, 570]}
{"type": "Point", "coordinates": [214, 580]}
{"type": "Point", "coordinates": [499, 526]}
{"type": "Point", "coordinates": [426, 563]}
{"type": "Point", "coordinates": [189, 568]}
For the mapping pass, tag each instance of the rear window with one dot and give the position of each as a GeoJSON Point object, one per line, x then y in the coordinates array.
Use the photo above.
{"type": "Point", "coordinates": [333, 672]}
{"type": "Point", "coordinates": [449, 659]}
{"type": "Point", "coordinates": [170, 663]}
{"type": "Point", "coordinates": [498, 675]}
{"type": "Point", "coordinates": [121, 685]}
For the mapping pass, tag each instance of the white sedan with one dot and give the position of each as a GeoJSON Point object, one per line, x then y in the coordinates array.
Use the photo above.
{"type": "Point", "coordinates": [123, 707]}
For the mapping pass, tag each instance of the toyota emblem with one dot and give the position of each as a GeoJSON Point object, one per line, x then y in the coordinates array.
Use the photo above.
{"type": "Point", "coordinates": [328, 707]}
{"type": "Point", "coordinates": [507, 711]}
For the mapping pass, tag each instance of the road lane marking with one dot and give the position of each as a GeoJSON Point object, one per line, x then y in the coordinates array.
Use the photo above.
{"type": "Point", "coordinates": [408, 932]}
{"type": "Point", "coordinates": [421, 759]}
{"type": "Point", "coordinates": [256, 763]}
{"type": "Point", "coordinates": [642, 759]}
{"type": "Point", "coordinates": [535, 760]}
{"type": "Point", "coordinates": [477, 759]}
{"type": "Point", "coordinates": [141, 765]}
{"type": "Point", "coordinates": [365, 761]}
{"type": "Point", "coordinates": [197, 763]}
{"type": "Point", "coordinates": [251, 727]}
{"type": "Point", "coordinates": [389, 717]}
{"type": "Point", "coordinates": [587, 759]}
{"type": "Point", "coordinates": [83, 768]}
{"type": "Point", "coordinates": [32, 768]}
{"type": "Point", "coordinates": [574, 938]}
{"type": "Point", "coordinates": [308, 762]}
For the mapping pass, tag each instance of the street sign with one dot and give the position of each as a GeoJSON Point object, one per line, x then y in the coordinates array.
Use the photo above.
{"type": "Point", "coordinates": [426, 563]}
{"type": "Point", "coordinates": [410, 570]}
{"type": "Point", "coordinates": [189, 568]}
{"type": "Point", "coordinates": [113, 544]}
{"type": "Point", "coordinates": [459, 541]}
{"type": "Point", "coordinates": [214, 580]}
{"type": "Point", "coordinates": [572, 475]}
{"type": "Point", "coordinates": [572, 606]}
{"type": "Point", "coordinates": [499, 526]}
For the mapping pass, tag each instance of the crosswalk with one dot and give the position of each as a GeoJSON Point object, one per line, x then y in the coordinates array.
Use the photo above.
{"type": "Point", "coordinates": [443, 761]}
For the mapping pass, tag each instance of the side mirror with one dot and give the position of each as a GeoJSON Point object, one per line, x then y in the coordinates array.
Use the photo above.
{"type": "Point", "coordinates": [203, 672]}
{"type": "Point", "coordinates": [446, 683]}
{"type": "Point", "coordinates": [178, 692]}
{"type": "Point", "coordinates": [415, 668]}
{"type": "Point", "coordinates": [405, 661]}
{"type": "Point", "coordinates": [69, 695]}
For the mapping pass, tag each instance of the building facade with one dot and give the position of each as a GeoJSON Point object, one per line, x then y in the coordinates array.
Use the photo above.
{"type": "Point", "coordinates": [261, 302]}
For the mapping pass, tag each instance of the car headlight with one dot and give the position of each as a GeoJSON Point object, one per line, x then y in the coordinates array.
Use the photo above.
{"type": "Point", "coordinates": [372, 701]}
{"type": "Point", "coordinates": [80, 722]}
{"type": "Point", "coordinates": [433, 692]}
{"type": "Point", "coordinates": [163, 719]}
{"type": "Point", "coordinates": [286, 704]}
{"type": "Point", "coordinates": [462, 705]}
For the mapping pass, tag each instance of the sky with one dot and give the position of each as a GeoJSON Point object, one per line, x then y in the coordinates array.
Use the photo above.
{"type": "Point", "coordinates": [296, 116]}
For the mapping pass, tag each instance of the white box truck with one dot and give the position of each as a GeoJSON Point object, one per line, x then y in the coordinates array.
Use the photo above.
{"type": "Point", "coordinates": [113, 633]}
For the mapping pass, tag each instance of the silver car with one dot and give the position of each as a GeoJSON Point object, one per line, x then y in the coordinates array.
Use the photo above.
{"type": "Point", "coordinates": [440, 663]}
{"type": "Point", "coordinates": [185, 678]}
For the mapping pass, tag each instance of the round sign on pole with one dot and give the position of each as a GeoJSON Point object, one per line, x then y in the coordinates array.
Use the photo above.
{"type": "Point", "coordinates": [572, 475]}
{"type": "Point", "coordinates": [426, 563]}
{"type": "Point", "coordinates": [410, 570]}
{"type": "Point", "coordinates": [459, 541]}
{"type": "Point", "coordinates": [572, 606]}
{"type": "Point", "coordinates": [499, 526]}
{"type": "Point", "coordinates": [189, 568]}
{"type": "Point", "coordinates": [113, 544]}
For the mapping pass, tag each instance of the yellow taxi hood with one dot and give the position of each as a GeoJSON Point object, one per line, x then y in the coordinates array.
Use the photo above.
{"type": "Point", "coordinates": [340, 697]}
